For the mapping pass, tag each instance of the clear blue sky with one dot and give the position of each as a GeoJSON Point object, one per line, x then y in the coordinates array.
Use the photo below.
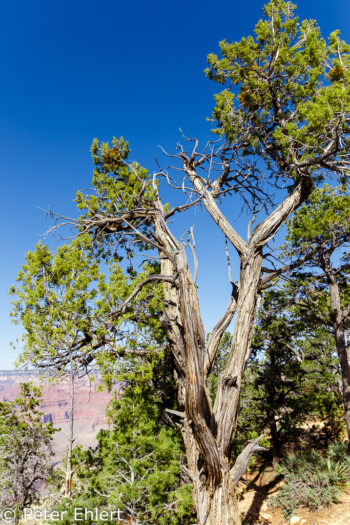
{"type": "Point", "coordinates": [72, 71]}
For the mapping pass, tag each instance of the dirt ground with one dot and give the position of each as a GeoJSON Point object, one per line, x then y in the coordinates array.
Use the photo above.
{"type": "Point", "coordinates": [255, 510]}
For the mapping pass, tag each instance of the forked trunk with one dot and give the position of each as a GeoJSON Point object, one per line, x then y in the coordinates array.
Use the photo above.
{"type": "Point", "coordinates": [208, 432]}
{"type": "Point", "coordinates": [213, 486]}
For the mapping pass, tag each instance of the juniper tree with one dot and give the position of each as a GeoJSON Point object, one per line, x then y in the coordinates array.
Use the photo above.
{"type": "Point", "coordinates": [135, 465]}
{"type": "Point", "coordinates": [292, 376]}
{"type": "Point", "coordinates": [25, 450]}
{"type": "Point", "coordinates": [55, 306]}
{"type": "Point", "coordinates": [319, 235]}
{"type": "Point", "coordinates": [61, 302]}
{"type": "Point", "coordinates": [283, 122]}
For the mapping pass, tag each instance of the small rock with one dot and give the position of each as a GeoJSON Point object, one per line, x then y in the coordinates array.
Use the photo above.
{"type": "Point", "coordinates": [266, 516]}
{"type": "Point", "coordinates": [295, 520]}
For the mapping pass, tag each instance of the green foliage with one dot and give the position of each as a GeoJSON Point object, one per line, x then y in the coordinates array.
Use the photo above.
{"type": "Point", "coordinates": [286, 91]}
{"type": "Point", "coordinates": [319, 235]}
{"type": "Point", "coordinates": [64, 302]}
{"type": "Point", "coordinates": [338, 452]}
{"type": "Point", "coordinates": [120, 187]}
{"type": "Point", "coordinates": [135, 466]}
{"type": "Point", "coordinates": [311, 481]}
{"type": "Point", "coordinates": [319, 232]}
{"type": "Point", "coordinates": [114, 180]}
{"type": "Point", "coordinates": [25, 450]}
{"type": "Point", "coordinates": [57, 297]}
{"type": "Point", "coordinates": [324, 217]}
{"type": "Point", "coordinates": [291, 384]}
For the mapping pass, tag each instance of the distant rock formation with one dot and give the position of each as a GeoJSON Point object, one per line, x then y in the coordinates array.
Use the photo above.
{"type": "Point", "coordinates": [90, 412]}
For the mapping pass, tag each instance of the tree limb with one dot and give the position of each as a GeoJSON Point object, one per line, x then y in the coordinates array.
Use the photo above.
{"type": "Point", "coordinates": [175, 413]}
{"type": "Point", "coordinates": [269, 226]}
{"type": "Point", "coordinates": [158, 278]}
{"type": "Point", "coordinates": [243, 459]}
{"type": "Point", "coordinates": [212, 208]}
{"type": "Point", "coordinates": [217, 333]}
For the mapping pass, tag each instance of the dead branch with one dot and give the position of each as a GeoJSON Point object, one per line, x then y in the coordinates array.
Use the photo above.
{"type": "Point", "coordinates": [243, 459]}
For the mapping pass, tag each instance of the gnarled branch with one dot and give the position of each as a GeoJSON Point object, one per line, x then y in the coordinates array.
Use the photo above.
{"type": "Point", "coordinates": [243, 459]}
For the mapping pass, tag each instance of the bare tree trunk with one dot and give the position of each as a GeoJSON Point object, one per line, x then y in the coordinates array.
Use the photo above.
{"type": "Point", "coordinates": [219, 506]}
{"type": "Point", "coordinates": [213, 489]}
{"type": "Point", "coordinates": [207, 456]}
{"type": "Point", "coordinates": [345, 370]}
{"type": "Point", "coordinates": [227, 398]}
{"type": "Point", "coordinates": [69, 468]}
{"type": "Point", "coordinates": [275, 441]}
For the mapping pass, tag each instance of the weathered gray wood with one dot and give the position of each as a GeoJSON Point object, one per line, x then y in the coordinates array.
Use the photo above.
{"type": "Point", "coordinates": [243, 459]}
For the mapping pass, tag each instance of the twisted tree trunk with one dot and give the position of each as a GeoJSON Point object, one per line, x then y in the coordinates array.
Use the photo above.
{"type": "Point", "coordinates": [208, 450]}
{"type": "Point", "coordinates": [209, 431]}
{"type": "Point", "coordinates": [215, 502]}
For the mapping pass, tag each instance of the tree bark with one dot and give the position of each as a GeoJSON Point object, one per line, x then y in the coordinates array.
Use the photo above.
{"type": "Point", "coordinates": [213, 490]}
{"type": "Point", "coordinates": [227, 398]}
{"type": "Point", "coordinates": [275, 441]}
{"type": "Point", "coordinates": [208, 450]}
{"type": "Point", "coordinates": [215, 503]}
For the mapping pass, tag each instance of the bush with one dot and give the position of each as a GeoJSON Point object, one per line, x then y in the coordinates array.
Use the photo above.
{"type": "Point", "coordinates": [311, 480]}
{"type": "Point", "coordinates": [339, 452]}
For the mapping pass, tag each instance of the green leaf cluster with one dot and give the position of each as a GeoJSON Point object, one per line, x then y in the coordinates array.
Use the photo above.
{"type": "Point", "coordinates": [135, 466]}
{"type": "Point", "coordinates": [120, 188]}
{"type": "Point", "coordinates": [64, 301]}
{"type": "Point", "coordinates": [286, 92]}
{"type": "Point", "coordinates": [324, 217]}
{"type": "Point", "coordinates": [291, 384]}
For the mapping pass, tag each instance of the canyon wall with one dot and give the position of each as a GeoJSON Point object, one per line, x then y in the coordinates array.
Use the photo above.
{"type": "Point", "coordinates": [90, 405]}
